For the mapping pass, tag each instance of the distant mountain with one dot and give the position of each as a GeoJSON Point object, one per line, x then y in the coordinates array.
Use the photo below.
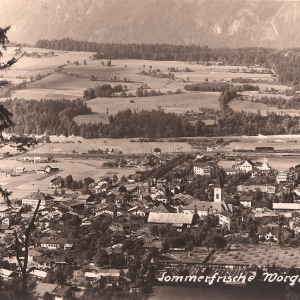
{"type": "Point", "coordinates": [216, 23]}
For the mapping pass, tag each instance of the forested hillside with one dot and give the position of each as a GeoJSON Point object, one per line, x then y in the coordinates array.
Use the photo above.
{"type": "Point", "coordinates": [45, 116]}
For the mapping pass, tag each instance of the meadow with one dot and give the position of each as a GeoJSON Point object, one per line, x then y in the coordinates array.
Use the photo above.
{"type": "Point", "coordinates": [75, 78]}
{"type": "Point", "coordinates": [31, 181]}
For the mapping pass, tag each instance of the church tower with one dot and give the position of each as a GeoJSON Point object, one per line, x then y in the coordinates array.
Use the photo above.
{"type": "Point", "coordinates": [218, 189]}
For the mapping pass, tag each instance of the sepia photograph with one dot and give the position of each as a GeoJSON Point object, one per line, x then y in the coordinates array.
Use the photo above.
{"type": "Point", "coordinates": [149, 150]}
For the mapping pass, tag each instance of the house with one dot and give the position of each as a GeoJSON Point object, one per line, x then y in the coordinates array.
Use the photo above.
{"type": "Point", "coordinates": [20, 169]}
{"type": "Point", "coordinates": [230, 171]}
{"type": "Point", "coordinates": [49, 262]}
{"type": "Point", "coordinates": [7, 274]}
{"type": "Point", "coordinates": [57, 292]}
{"type": "Point", "coordinates": [61, 243]}
{"type": "Point", "coordinates": [157, 244]}
{"type": "Point", "coordinates": [228, 219]}
{"type": "Point", "coordinates": [246, 166]}
{"type": "Point", "coordinates": [138, 211]}
{"type": "Point", "coordinates": [269, 189]}
{"type": "Point", "coordinates": [246, 201]}
{"type": "Point", "coordinates": [161, 198]}
{"type": "Point", "coordinates": [38, 275]}
{"type": "Point", "coordinates": [4, 211]}
{"type": "Point", "coordinates": [49, 169]}
{"type": "Point", "coordinates": [57, 182]}
{"type": "Point", "coordinates": [282, 176]}
{"type": "Point", "coordinates": [202, 168]}
{"type": "Point", "coordinates": [271, 234]}
{"type": "Point", "coordinates": [74, 203]}
{"type": "Point", "coordinates": [33, 199]}
{"type": "Point", "coordinates": [263, 166]}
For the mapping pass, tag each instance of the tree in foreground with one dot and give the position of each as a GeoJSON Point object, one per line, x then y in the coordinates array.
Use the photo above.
{"type": "Point", "coordinates": [5, 115]}
{"type": "Point", "coordinates": [6, 122]}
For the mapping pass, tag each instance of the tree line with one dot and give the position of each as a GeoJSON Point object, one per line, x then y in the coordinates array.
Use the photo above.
{"type": "Point", "coordinates": [280, 102]}
{"type": "Point", "coordinates": [56, 117]}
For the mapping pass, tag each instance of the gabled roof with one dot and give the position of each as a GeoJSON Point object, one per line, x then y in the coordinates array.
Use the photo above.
{"type": "Point", "coordinates": [213, 207]}
{"type": "Point", "coordinates": [246, 198]}
{"type": "Point", "coordinates": [226, 214]}
{"type": "Point", "coordinates": [38, 196]}
{"type": "Point", "coordinates": [43, 288]}
{"type": "Point", "coordinates": [248, 161]}
{"type": "Point", "coordinates": [262, 230]}
{"type": "Point", "coordinates": [163, 208]}
{"type": "Point", "coordinates": [38, 273]}
{"type": "Point", "coordinates": [170, 218]}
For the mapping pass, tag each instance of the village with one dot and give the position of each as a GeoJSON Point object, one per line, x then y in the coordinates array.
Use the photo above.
{"type": "Point", "coordinates": [179, 214]}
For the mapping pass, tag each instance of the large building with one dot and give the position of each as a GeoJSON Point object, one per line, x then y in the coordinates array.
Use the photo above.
{"type": "Point", "coordinates": [202, 168]}
{"type": "Point", "coordinates": [204, 208]}
{"type": "Point", "coordinates": [175, 219]}
{"type": "Point", "coordinates": [33, 199]}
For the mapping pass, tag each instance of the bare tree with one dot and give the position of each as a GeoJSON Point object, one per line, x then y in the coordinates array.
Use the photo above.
{"type": "Point", "coordinates": [23, 266]}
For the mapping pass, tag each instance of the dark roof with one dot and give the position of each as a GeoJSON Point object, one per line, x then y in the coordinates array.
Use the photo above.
{"type": "Point", "coordinates": [38, 196]}
{"type": "Point", "coordinates": [246, 198]}
{"type": "Point", "coordinates": [219, 182]}
{"type": "Point", "coordinates": [262, 230]}
{"type": "Point", "coordinates": [164, 208]}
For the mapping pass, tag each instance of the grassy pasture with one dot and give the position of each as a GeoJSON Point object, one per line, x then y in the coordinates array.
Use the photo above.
{"type": "Point", "coordinates": [176, 103]}
{"type": "Point", "coordinates": [242, 105]}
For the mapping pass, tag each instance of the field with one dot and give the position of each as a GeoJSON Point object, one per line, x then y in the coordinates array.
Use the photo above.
{"type": "Point", "coordinates": [31, 181]}
{"type": "Point", "coordinates": [169, 103]}
{"type": "Point", "coordinates": [259, 255]}
{"type": "Point", "coordinates": [239, 105]}
{"type": "Point", "coordinates": [77, 78]}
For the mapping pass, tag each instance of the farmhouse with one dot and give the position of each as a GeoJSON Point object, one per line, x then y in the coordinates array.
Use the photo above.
{"type": "Point", "coordinates": [57, 182]}
{"type": "Point", "coordinates": [33, 199]}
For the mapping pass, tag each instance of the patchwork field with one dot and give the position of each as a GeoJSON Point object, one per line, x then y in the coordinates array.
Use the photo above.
{"type": "Point", "coordinates": [77, 78]}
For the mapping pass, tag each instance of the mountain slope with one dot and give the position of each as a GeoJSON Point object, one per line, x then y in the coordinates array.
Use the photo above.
{"type": "Point", "coordinates": [232, 23]}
